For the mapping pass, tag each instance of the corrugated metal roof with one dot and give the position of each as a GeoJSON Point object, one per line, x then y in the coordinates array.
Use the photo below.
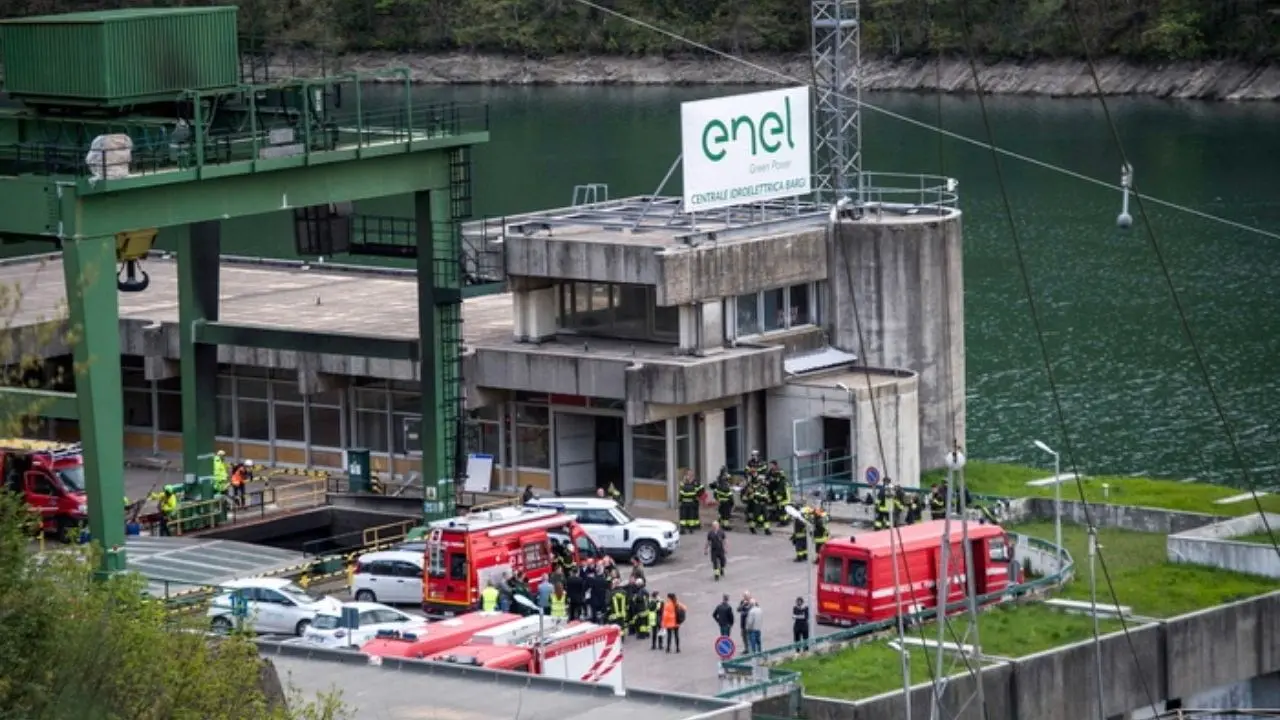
{"type": "Point", "coordinates": [106, 16]}
{"type": "Point", "coordinates": [827, 357]}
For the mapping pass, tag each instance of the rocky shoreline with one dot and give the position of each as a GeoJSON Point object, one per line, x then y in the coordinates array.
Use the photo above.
{"type": "Point", "coordinates": [1218, 80]}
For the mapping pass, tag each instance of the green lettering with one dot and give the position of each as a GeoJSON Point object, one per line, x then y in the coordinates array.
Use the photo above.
{"type": "Point", "coordinates": [722, 137]}
{"type": "Point", "coordinates": [738, 123]}
{"type": "Point", "coordinates": [771, 126]}
{"type": "Point", "coordinates": [791, 141]}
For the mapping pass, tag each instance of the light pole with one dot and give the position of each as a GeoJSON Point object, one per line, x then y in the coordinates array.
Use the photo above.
{"type": "Point", "coordinates": [1057, 499]}
{"type": "Point", "coordinates": [808, 543]}
{"type": "Point", "coordinates": [522, 600]}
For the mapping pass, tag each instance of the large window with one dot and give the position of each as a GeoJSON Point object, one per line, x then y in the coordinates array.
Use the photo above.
{"type": "Point", "coordinates": [169, 405]}
{"type": "Point", "coordinates": [482, 435]}
{"type": "Point", "coordinates": [533, 436]}
{"type": "Point", "coordinates": [733, 438]}
{"type": "Point", "coordinates": [777, 309]}
{"type": "Point", "coordinates": [325, 413]}
{"type": "Point", "coordinates": [618, 311]}
{"type": "Point", "coordinates": [371, 418]}
{"type": "Point", "coordinates": [137, 400]}
{"type": "Point", "coordinates": [684, 444]}
{"type": "Point", "coordinates": [406, 410]}
{"type": "Point", "coordinates": [649, 451]}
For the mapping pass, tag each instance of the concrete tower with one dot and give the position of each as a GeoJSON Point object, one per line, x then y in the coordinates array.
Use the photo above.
{"type": "Point", "coordinates": [904, 274]}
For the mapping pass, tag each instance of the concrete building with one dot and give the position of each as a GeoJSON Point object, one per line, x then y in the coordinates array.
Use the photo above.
{"type": "Point", "coordinates": [635, 343]}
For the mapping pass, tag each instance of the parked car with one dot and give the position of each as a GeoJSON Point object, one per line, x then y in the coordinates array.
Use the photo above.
{"type": "Point", "coordinates": [327, 630]}
{"type": "Point", "coordinates": [388, 576]}
{"type": "Point", "coordinates": [616, 531]}
{"type": "Point", "coordinates": [273, 605]}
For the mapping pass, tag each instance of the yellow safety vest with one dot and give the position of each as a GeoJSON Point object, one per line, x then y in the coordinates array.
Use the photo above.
{"type": "Point", "coordinates": [560, 606]}
{"type": "Point", "coordinates": [170, 505]}
{"type": "Point", "coordinates": [489, 599]}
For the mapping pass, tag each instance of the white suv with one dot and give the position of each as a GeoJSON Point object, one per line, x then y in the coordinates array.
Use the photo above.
{"type": "Point", "coordinates": [616, 531]}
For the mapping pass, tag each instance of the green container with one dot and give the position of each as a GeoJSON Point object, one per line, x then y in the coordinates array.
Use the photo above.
{"type": "Point", "coordinates": [358, 472]}
{"type": "Point", "coordinates": [120, 57]}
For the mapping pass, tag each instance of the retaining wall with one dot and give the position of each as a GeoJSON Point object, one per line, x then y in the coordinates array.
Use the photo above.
{"type": "Point", "coordinates": [1214, 545]}
{"type": "Point", "coordinates": [1175, 659]}
{"type": "Point", "coordinates": [1124, 517]}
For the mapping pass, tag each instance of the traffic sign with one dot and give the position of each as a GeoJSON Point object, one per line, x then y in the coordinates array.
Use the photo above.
{"type": "Point", "coordinates": [873, 475]}
{"type": "Point", "coordinates": [725, 647]}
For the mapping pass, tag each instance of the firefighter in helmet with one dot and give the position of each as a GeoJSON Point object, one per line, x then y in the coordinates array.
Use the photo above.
{"type": "Point", "coordinates": [821, 532]}
{"type": "Point", "coordinates": [800, 535]}
{"type": "Point", "coordinates": [779, 493]}
{"type": "Point", "coordinates": [689, 493]}
{"type": "Point", "coordinates": [723, 490]}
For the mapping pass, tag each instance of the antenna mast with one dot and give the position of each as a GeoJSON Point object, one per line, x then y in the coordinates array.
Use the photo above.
{"type": "Point", "coordinates": [837, 111]}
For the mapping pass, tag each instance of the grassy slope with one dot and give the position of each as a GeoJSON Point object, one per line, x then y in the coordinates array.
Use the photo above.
{"type": "Point", "coordinates": [1142, 578]}
{"type": "Point", "coordinates": [986, 478]}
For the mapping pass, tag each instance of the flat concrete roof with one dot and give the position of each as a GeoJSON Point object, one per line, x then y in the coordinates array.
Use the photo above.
{"type": "Point", "coordinates": [413, 690]}
{"type": "Point", "coordinates": [189, 563]}
{"type": "Point", "coordinates": [852, 378]}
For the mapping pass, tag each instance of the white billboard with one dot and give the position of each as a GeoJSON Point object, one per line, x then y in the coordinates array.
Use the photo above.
{"type": "Point", "coordinates": [745, 148]}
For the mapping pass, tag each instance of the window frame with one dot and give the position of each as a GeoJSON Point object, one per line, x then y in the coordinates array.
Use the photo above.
{"type": "Point", "coordinates": [812, 289]}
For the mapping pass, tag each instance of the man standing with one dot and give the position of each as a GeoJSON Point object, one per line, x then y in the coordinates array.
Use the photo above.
{"type": "Point", "coordinates": [755, 628]}
{"type": "Point", "coordinates": [723, 615]}
{"type": "Point", "coordinates": [689, 492]}
{"type": "Point", "coordinates": [716, 549]}
{"type": "Point", "coordinates": [723, 490]}
{"type": "Point", "coordinates": [576, 588]}
{"type": "Point", "coordinates": [800, 624]}
{"type": "Point", "coordinates": [744, 607]}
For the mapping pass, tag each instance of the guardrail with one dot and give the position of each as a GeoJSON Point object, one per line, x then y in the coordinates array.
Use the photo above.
{"type": "Point", "coordinates": [753, 676]}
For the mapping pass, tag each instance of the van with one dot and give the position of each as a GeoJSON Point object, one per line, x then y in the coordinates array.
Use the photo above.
{"type": "Point", "coordinates": [465, 553]}
{"type": "Point", "coordinates": [616, 531]}
{"type": "Point", "coordinates": [856, 581]}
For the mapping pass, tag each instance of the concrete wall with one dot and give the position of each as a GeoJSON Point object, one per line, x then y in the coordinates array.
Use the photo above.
{"type": "Point", "coordinates": [725, 269]}
{"type": "Point", "coordinates": [1124, 517]}
{"type": "Point", "coordinates": [895, 407]}
{"type": "Point", "coordinates": [905, 275]}
{"type": "Point", "coordinates": [561, 256]}
{"type": "Point", "coordinates": [1174, 659]}
{"type": "Point", "coordinates": [1212, 545]}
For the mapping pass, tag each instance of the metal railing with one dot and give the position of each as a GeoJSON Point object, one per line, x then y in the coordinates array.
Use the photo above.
{"type": "Point", "coordinates": [910, 189]}
{"type": "Point", "coordinates": [752, 675]}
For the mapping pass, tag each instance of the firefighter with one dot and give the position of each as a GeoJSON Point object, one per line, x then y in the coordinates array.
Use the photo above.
{"type": "Point", "coordinates": [489, 598]}
{"type": "Point", "coordinates": [716, 549]}
{"type": "Point", "coordinates": [618, 608]}
{"type": "Point", "coordinates": [637, 608]}
{"type": "Point", "coordinates": [689, 492]}
{"type": "Point", "coordinates": [651, 621]}
{"type": "Point", "coordinates": [559, 603]}
{"type": "Point", "coordinates": [760, 496]}
{"type": "Point", "coordinates": [221, 482]}
{"type": "Point", "coordinates": [168, 506]}
{"type": "Point", "coordinates": [821, 533]}
{"type": "Point", "coordinates": [723, 491]}
{"type": "Point", "coordinates": [755, 465]}
{"type": "Point", "coordinates": [937, 503]}
{"type": "Point", "coordinates": [800, 536]}
{"type": "Point", "coordinates": [899, 506]}
{"type": "Point", "coordinates": [883, 507]}
{"type": "Point", "coordinates": [779, 493]}
{"type": "Point", "coordinates": [614, 493]}
{"type": "Point", "coordinates": [915, 508]}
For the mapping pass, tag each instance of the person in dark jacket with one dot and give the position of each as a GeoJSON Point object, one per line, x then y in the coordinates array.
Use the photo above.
{"type": "Point", "coordinates": [800, 624]}
{"type": "Point", "coordinates": [598, 586]}
{"type": "Point", "coordinates": [723, 615]}
{"type": "Point", "coordinates": [744, 607]}
{"type": "Point", "coordinates": [576, 588]}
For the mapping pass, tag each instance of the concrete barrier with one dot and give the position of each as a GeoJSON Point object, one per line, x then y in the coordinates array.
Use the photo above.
{"type": "Point", "coordinates": [1158, 662]}
{"type": "Point", "coordinates": [1213, 545]}
{"type": "Point", "coordinates": [1122, 517]}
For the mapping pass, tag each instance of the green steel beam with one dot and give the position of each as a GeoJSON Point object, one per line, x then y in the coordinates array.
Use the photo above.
{"type": "Point", "coordinates": [219, 333]}
{"type": "Point", "coordinates": [199, 248]}
{"type": "Point", "coordinates": [30, 402]}
{"type": "Point", "coordinates": [89, 269]}
{"type": "Point", "coordinates": [164, 205]}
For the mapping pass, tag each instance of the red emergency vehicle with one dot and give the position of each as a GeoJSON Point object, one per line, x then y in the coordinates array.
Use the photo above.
{"type": "Point", "coordinates": [579, 651]}
{"type": "Point", "coordinates": [856, 578]}
{"type": "Point", "coordinates": [50, 478]}
{"type": "Point", "coordinates": [465, 553]}
{"type": "Point", "coordinates": [435, 637]}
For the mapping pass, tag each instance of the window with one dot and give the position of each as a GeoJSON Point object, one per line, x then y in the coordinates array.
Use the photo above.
{"type": "Point", "coordinates": [371, 398]}
{"type": "Point", "coordinates": [833, 570]}
{"type": "Point", "coordinates": [800, 309]}
{"type": "Point", "coordinates": [326, 426]}
{"type": "Point", "coordinates": [285, 387]}
{"type": "Point", "coordinates": [273, 597]}
{"type": "Point", "coordinates": [226, 418]}
{"type": "Point", "coordinates": [371, 431]}
{"type": "Point", "coordinates": [290, 422]}
{"type": "Point", "coordinates": [137, 409]}
{"type": "Point", "coordinates": [533, 437]}
{"type": "Point", "coordinates": [403, 569]}
{"type": "Point", "coordinates": [596, 517]}
{"type": "Point", "coordinates": [748, 314]}
{"type": "Point", "coordinates": [250, 388]}
{"type": "Point", "coordinates": [169, 415]}
{"type": "Point", "coordinates": [42, 485]}
{"type": "Point", "coordinates": [732, 438]}
{"type": "Point", "coordinates": [387, 615]}
{"type": "Point", "coordinates": [618, 311]}
{"type": "Point", "coordinates": [369, 617]}
{"type": "Point", "coordinates": [586, 548]}
{"type": "Point", "coordinates": [684, 443]}
{"type": "Point", "coordinates": [774, 316]}
{"type": "Point", "coordinates": [999, 551]}
{"type": "Point", "coordinates": [402, 426]}
{"type": "Point", "coordinates": [535, 556]}
{"type": "Point", "coordinates": [435, 560]}
{"type": "Point", "coordinates": [254, 419]}
{"type": "Point", "coordinates": [377, 568]}
{"type": "Point", "coordinates": [857, 573]}
{"type": "Point", "coordinates": [649, 451]}
{"type": "Point", "coordinates": [457, 566]}
{"type": "Point", "coordinates": [777, 309]}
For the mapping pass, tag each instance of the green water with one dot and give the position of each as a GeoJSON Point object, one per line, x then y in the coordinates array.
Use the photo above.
{"type": "Point", "coordinates": [1133, 398]}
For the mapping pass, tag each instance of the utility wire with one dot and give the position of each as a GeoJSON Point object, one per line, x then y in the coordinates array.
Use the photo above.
{"type": "Point", "coordinates": [1044, 355]}
{"type": "Point", "coordinates": [924, 125]}
{"type": "Point", "coordinates": [1187, 332]}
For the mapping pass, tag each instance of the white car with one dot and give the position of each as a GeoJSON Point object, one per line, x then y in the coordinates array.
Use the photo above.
{"type": "Point", "coordinates": [616, 531]}
{"type": "Point", "coordinates": [390, 576]}
{"type": "Point", "coordinates": [327, 628]}
{"type": "Point", "coordinates": [273, 605]}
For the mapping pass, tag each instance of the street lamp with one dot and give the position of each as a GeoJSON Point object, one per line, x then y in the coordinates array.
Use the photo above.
{"type": "Point", "coordinates": [1057, 498]}
{"type": "Point", "coordinates": [809, 552]}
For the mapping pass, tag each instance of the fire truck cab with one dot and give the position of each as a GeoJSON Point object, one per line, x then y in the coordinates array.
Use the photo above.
{"type": "Point", "coordinates": [856, 575]}
{"type": "Point", "coordinates": [580, 651]}
{"type": "Point", "coordinates": [50, 478]}
{"type": "Point", "coordinates": [437, 636]}
{"type": "Point", "coordinates": [464, 554]}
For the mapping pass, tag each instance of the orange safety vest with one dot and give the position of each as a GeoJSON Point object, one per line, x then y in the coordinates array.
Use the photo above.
{"type": "Point", "coordinates": [237, 477]}
{"type": "Point", "coordinates": [669, 619]}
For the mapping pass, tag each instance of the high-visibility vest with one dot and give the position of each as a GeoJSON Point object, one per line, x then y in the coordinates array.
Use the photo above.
{"type": "Point", "coordinates": [489, 599]}
{"type": "Point", "coordinates": [169, 505]}
{"type": "Point", "coordinates": [559, 605]}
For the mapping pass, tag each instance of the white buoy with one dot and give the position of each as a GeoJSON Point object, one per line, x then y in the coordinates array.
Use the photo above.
{"type": "Point", "coordinates": [1124, 220]}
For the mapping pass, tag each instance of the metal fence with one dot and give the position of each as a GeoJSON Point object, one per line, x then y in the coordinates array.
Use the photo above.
{"type": "Point", "coordinates": [753, 676]}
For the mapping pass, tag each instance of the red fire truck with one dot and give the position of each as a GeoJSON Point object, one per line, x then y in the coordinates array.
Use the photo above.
{"type": "Point", "coordinates": [435, 637]}
{"type": "Point", "coordinates": [580, 651]}
{"type": "Point", "coordinates": [50, 478]}
{"type": "Point", "coordinates": [856, 576]}
{"type": "Point", "coordinates": [465, 553]}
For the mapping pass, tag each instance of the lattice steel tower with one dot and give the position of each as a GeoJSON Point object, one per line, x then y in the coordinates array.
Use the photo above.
{"type": "Point", "coordinates": [837, 116]}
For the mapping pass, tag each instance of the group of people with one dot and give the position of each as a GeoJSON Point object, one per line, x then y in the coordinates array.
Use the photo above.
{"type": "Point", "coordinates": [592, 591]}
{"type": "Point", "coordinates": [750, 621]}
{"type": "Point", "coordinates": [896, 507]}
{"type": "Point", "coordinates": [764, 493]}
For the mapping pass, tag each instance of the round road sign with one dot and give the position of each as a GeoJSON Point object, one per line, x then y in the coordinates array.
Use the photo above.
{"type": "Point", "coordinates": [725, 647]}
{"type": "Point", "coordinates": [873, 475]}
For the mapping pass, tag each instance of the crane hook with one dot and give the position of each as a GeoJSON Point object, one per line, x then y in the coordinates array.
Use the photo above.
{"type": "Point", "coordinates": [1124, 220]}
{"type": "Point", "coordinates": [128, 280]}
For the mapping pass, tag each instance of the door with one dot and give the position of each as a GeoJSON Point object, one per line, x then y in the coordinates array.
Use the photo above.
{"type": "Point", "coordinates": [980, 564]}
{"type": "Point", "coordinates": [406, 583]}
{"type": "Point", "coordinates": [575, 454]}
{"type": "Point", "coordinates": [271, 613]}
{"type": "Point", "coordinates": [42, 494]}
{"type": "Point", "coordinates": [603, 528]}
{"type": "Point", "coordinates": [457, 585]}
{"type": "Point", "coordinates": [377, 578]}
